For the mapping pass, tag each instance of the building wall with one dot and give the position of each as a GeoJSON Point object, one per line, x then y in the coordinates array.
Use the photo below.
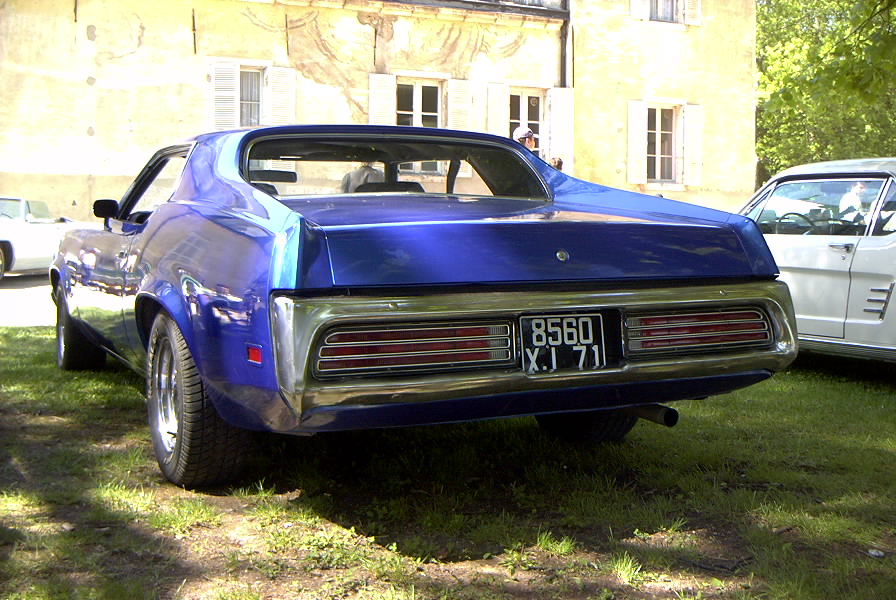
{"type": "Point", "coordinates": [620, 58]}
{"type": "Point", "coordinates": [92, 87]}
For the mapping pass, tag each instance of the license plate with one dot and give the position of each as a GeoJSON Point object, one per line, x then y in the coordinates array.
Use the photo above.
{"type": "Point", "coordinates": [562, 343]}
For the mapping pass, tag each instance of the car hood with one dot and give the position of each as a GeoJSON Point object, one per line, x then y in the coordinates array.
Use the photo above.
{"type": "Point", "coordinates": [386, 240]}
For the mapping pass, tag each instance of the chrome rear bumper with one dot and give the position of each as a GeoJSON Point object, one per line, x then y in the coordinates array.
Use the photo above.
{"type": "Point", "coordinates": [297, 323]}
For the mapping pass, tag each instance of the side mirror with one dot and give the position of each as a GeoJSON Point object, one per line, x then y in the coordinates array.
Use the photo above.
{"type": "Point", "coordinates": [105, 209]}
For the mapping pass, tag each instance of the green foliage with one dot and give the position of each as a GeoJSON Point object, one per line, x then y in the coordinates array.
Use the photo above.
{"type": "Point", "coordinates": [826, 81]}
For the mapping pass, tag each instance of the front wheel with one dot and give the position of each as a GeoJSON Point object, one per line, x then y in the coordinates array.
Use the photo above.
{"type": "Point", "coordinates": [593, 427]}
{"type": "Point", "coordinates": [193, 445]}
{"type": "Point", "coordinates": [74, 352]}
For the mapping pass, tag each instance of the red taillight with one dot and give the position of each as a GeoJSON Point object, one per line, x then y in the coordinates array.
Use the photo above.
{"type": "Point", "coordinates": [414, 348]}
{"type": "Point", "coordinates": [709, 330]}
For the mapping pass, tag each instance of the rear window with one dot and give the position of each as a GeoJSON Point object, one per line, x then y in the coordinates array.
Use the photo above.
{"type": "Point", "coordinates": [304, 165]}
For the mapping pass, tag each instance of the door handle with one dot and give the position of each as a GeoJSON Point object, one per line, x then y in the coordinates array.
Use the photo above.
{"type": "Point", "coordinates": [847, 247]}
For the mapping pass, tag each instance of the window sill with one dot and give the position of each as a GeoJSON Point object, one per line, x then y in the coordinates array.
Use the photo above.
{"type": "Point", "coordinates": [660, 186]}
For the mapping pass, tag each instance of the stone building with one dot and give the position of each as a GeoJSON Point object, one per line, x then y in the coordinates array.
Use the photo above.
{"type": "Point", "coordinates": [654, 95]}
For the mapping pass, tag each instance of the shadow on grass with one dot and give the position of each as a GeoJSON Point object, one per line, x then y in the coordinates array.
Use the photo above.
{"type": "Point", "coordinates": [785, 481]}
{"type": "Point", "coordinates": [59, 432]}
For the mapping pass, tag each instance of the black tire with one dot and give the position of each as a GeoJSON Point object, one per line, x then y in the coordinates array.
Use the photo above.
{"type": "Point", "coordinates": [2, 263]}
{"type": "Point", "coordinates": [591, 427]}
{"type": "Point", "coordinates": [74, 352]}
{"type": "Point", "coordinates": [193, 445]}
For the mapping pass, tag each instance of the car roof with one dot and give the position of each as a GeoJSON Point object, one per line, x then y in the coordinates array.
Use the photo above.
{"type": "Point", "coordinates": [853, 166]}
{"type": "Point", "coordinates": [352, 129]}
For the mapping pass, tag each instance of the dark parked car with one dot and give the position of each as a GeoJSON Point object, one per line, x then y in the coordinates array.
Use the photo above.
{"type": "Point", "coordinates": [308, 279]}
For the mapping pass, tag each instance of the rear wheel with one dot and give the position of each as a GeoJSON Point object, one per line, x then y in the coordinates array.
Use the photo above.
{"type": "Point", "coordinates": [74, 352]}
{"type": "Point", "coordinates": [193, 445]}
{"type": "Point", "coordinates": [594, 427]}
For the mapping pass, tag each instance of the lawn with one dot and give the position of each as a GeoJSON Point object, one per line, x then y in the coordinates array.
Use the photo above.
{"type": "Point", "coordinates": [783, 490]}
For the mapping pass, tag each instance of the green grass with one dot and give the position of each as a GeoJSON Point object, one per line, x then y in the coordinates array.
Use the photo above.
{"type": "Point", "coordinates": [781, 491]}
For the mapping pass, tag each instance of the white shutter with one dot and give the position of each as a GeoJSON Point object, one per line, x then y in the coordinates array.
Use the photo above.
{"type": "Point", "coordinates": [225, 95]}
{"type": "Point", "coordinates": [692, 12]}
{"type": "Point", "coordinates": [561, 119]}
{"type": "Point", "coordinates": [498, 109]}
{"type": "Point", "coordinates": [281, 96]}
{"type": "Point", "coordinates": [637, 142]}
{"type": "Point", "coordinates": [692, 123]}
{"type": "Point", "coordinates": [459, 102]}
{"type": "Point", "coordinates": [640, 9]}
{"type": "Point", "coordinates": [381, 103]}
{"type": "Point", "coordinates": [478, 118]}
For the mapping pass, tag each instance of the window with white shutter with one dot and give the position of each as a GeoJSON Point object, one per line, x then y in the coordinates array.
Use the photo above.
{"type": "Point", "coordinates": [665, 143]}
{"type": "Point", "coordinates": [245, 95]}
{"type": "Point", "coordinates": [667, 11]}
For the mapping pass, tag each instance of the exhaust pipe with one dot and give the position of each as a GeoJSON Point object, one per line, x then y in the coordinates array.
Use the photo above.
{"type": "Point", "coordinates": [657, 413]}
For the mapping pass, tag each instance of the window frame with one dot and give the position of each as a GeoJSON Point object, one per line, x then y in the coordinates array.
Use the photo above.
{"type": "Point", "coordinates": [675, 141]}
{"type": "Point", "coordinates": [686, 12]}
{"type": "Point", "coordinates": [257, 103]}
{"type": "Point", "coordinates": [132, 201]}
{"type": "Point", "coordinates": [417, 113]}
{"type": "Point", "coordinates": [687, 145]}
{"type": "Point", "coordinates": [537, 126]}
{"type": "Point", "coordinates": [675, 10]}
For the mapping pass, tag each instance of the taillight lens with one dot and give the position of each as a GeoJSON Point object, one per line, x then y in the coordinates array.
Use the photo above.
{"type": "Point", "coordinates": [700, 330]}
{"type": "Point", "coordinates": [413, 348]}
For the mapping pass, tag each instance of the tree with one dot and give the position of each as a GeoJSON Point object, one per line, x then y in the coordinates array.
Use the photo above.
{"type": "Point", "coordinates": [827, 81]}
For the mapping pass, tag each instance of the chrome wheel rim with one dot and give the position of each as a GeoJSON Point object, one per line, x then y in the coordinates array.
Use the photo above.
{"type": "Point", "coordinates": [165, 387]}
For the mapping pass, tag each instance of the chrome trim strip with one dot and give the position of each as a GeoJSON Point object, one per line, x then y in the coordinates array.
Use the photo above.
{"type": "Point", "coordinates": [884, 302]}
{"type": "Point", "coordinates": [297, 322]}
{"type": "Point", "coordinates": [848, 349]}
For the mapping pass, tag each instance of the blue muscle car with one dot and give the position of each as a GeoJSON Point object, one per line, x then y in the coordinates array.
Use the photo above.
{"type": "Point", "coordinates": [307, 279]}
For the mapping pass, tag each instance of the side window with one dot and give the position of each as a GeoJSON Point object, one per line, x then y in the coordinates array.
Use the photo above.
{"type": "Point", "coordinates": [819, 207]}
{"type": "Point", "coordinates": [158, 190]}
{"type": "Point", "coordinates": [886, 223]}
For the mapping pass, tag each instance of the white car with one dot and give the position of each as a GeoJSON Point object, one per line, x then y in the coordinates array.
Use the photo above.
{"type": "Point", "coordinates": [29, 236]}
{"type": "Point", "coordinates": [832, 231]}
